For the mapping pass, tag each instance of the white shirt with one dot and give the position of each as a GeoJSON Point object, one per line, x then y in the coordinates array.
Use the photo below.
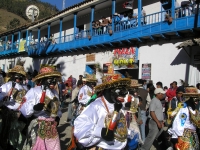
{"type": "Point", "coordinates": [83, 96]}
{"type": "Point", "coordinates": [32, 98]}
{"type": "Point", "coordinates": [179, 124]}
{"type": "Point", "coordinates": [11, 104]}
{"type": "Point", "coordinates": [88, 126]}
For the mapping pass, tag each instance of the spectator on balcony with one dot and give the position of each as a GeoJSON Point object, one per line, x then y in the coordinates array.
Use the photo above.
{"type": "Point", "coordinates": [98, 27]}
{"type": "Point", "coordinates": [104, 24]}
{"type": "Point", "coordinates": [143, 19]}
{"type": "Point", "coordinates": [116, 20]}
{"type": "Point", "coordinates": [95, 27]}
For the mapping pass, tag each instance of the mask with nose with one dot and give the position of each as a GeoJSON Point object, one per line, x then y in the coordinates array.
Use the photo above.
{"type": "Point", "coordinates": [116, 94]}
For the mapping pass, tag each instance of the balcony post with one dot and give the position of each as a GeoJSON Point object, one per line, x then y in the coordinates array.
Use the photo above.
{"type": "Point", "coordinates": [92, 19]}
{"type": "Point", "coordinates": [113, 11]}
{"type": "Point", "coordinates": [27, 39]}
{"type": "Point", "coordinates": [60, 37]}
{"type": "Point", "coordinates": [6, 40]}
{"type": "Point", "coordinates": [75, 21]}
{"type": "Point", "coordinates": [49, 30]}
{"type": "Point", "coordinates": [38, 35]}
{"type": "Point", "coordinates": [19, 37]}
{"type": "Point", "coordinates": [12, 40]}
{"type": "Point", "coordinates": [173, 9]}
{"type": "Point", "coordinates": [139, 12]}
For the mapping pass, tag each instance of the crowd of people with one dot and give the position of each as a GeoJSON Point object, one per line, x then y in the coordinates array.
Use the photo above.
{"type": "Point", "coordinates": [118, 113]}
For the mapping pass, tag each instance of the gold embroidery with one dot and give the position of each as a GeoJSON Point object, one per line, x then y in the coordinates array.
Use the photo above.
{"type": "Point", "coordinates": [51, 105]}
{"type": "Point", "coordinates": [120, 133]}
{"type": "Point", "coordinates": [47, 129]}
{"type": "Point", "coordinates": [18, 95]}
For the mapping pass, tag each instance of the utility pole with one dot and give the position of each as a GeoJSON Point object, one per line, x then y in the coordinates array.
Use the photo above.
{"type": "Point", "coordinates": [63, 6]}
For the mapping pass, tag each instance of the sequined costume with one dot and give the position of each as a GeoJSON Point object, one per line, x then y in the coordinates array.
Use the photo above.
{"type": "Point", "coordinates": [42, 131]}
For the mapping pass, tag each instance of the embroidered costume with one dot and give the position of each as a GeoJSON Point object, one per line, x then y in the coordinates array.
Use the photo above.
{"type": "Point", "coordinates": [42, 103]}
{"type": "Point", "coordinates": [102, 123]}
{"type": "Point", "coordinates": [184, 125]}
{"type": "Point", "coordinates": [11, 100]}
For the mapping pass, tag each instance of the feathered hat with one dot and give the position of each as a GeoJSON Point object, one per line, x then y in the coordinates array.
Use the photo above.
{"type": "Point", "coordinates": [110, 81]}
{"type": "Point", "coordinates": [47, 70]}
{"type": "Point", "coordinates": [18, 68]}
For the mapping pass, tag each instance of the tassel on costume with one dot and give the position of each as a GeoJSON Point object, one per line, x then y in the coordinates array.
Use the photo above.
{"type": "Point", "coordinates": [72, 144]}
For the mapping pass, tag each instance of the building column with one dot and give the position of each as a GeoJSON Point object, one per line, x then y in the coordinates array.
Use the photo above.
{"type": "Point", "coordinates": [12, 40]}
{"type": "Point", "coordinates": [173, 9]}
{"type": "Point", "coordinates": [113, 11]}
{"type": "Point", "coordinates": [38, 34]}
{"type": "Point", "coordinates": [19, 37]}
{"type": "Point", "coordinates": [60, 37]}
{"type": "Point", "coordinates": [6, 40]}
{"type": "Point", "coordinates": [139, 12]}
{"type": "Point", "coordinates": [27, 39]}
{"type": "Point", "coordinates": [30, 34]}
{"type": "Point", "coordinates": [75, 21]}
{"type": "Point", "coordinates": [49, 30]}
{"type": "Point", "coordinates": [92, 18]}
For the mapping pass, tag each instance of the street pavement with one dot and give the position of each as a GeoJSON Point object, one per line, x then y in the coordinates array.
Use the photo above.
{"type": "Point", "coordinates": [64, 130]}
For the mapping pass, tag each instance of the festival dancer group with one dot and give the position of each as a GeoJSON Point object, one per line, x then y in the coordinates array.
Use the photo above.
{"type": "Point", "coordinates": [106, 116]}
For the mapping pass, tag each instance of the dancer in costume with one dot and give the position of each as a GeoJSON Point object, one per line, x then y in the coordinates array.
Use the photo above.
{"type": "Point", "coordinates": [42, 103]}
{"type": "Point", "coordinates": [133, 116]}
{"type": "Point", "coordinates": [102, 124]}
{"type": "Point", "coordinates": [11, 99]}
{"type": "Point", "coordinates": [186, 119]}
{"type": "Point", "coordinates": [86, 92]}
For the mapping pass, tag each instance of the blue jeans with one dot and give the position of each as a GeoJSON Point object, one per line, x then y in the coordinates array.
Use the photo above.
{"type": "Point", "coordinates": [142, 126]}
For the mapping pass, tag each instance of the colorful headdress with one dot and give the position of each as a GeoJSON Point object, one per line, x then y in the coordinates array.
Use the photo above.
{"type": "Point", "coordinates": [191, 92]}
{"type": "Point", "coordinates": [18, 68]}
{"type": "Point", "coordinates": [134, 83]}
{"type": "Point", "coordinates": [90, 78]}
{"type": "Point", "coordinates": [111, 81]}
{"type": "Point", "coordinates": [47, 71]}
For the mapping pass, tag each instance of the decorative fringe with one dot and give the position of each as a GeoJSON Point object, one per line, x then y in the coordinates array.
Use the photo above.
{"type": "Point", "coordinates": [72, 143]}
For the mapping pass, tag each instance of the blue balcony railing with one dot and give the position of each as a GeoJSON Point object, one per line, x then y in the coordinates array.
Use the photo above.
{"type": "Point", "coordinates": [149, 21]}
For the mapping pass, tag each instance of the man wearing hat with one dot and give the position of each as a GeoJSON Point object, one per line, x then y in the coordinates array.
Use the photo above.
{"type": "Point", "coordinates": [186, 119]}
{"type": "Point", "coordinates": [156, 118]}
{"type": "Point", "coordinates": [11, 99]}
{"type": "Point", "coordinates": [102, 124]}
{"type": "Point", "coordinates": [42, 104]}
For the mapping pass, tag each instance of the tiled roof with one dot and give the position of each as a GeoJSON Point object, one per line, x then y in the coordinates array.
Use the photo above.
{"type": "Point", "coordinates": [187, 43]}
{"type": "Point", "coordinates": [25, 26]}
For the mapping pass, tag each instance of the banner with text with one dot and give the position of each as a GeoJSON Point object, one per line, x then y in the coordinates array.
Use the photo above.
{"type": "Point", "coordinates": [146, 71]}
{"type": "Point", "coordinates": [125, 58]}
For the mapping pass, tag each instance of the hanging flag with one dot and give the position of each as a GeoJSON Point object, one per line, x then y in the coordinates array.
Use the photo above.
{"type": "Point", "coordinates": [128, 4]}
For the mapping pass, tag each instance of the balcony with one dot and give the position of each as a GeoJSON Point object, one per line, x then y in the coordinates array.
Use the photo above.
{"type": "Point", "coordinates": [135, 31]}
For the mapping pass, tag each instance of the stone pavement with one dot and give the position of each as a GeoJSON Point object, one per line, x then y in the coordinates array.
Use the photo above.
{"type": "Point", "coordinates": [64, 130]}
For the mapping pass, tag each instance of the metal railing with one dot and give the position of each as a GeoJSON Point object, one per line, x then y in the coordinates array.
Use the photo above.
{"type": "Point", "coordinates": [117, 27]}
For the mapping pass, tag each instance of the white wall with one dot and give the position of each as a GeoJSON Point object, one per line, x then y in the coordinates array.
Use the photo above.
{"type": "Point", "coordinates": [168, 64]}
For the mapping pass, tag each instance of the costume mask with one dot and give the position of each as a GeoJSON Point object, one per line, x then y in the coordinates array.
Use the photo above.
{"type": "Point", "coordinates": [91, 84]}
{"type": "Point", "coordinates": [115, 95]}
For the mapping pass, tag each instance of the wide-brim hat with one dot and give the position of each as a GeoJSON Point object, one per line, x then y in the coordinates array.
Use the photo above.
{"type": "Point", "coordinates": [134, 83]}
{"type": "Point", "coordinates": [111, 81]}
{"type": "Point", "coordinates": [191, 92]}
{"type": "Point", "coordinates": [47, 71]}
{"type": "Point", "coordinates": [89, 78]}
{"type": "Point", "coordinates": [17, 69]}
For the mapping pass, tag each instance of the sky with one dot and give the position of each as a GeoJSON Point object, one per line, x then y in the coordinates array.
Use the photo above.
{"type": "Point", "coordinates": [59, 3]}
